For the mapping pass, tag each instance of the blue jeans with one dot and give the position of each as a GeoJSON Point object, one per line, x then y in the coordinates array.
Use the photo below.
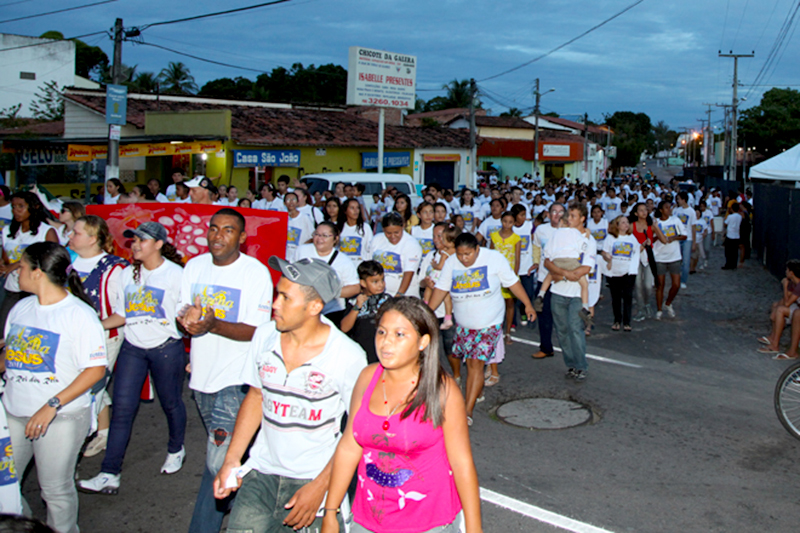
{"type": "Point", "coordinates": [686, 258]}
{"type": "Point", "coordinates": [218, 411]}
{"type": "Point", "coordinates": [570, 330]}
{"type": "Point", "coordinates": [166, 364]}
{"type": "Point", "coordinates": [260, 505]}
{"type": "Point", "coordinates": [545, 320]}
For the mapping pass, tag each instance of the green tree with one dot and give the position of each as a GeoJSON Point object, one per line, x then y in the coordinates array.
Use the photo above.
{"type": "Point", "coordinates": [663, 137]}
{"type": "Point", "coordinates": [512, 112]}
{"type": "Point", "coordinates": [144, 82]}
{"type": "Point", "coordinates": [90, 61]}
{"type": "Point", "coordinates": [176, 79]}
{"type": "Point", "coordinates": [48, 105]}
{"type": "Point", "coordinates": [774, 124]}
{"type": "Point", "coordinates": [234, 89]}
{"type": "Point", "coordinates": [9, 118]}
{"type": "Point", "coordinates": [633, 134]}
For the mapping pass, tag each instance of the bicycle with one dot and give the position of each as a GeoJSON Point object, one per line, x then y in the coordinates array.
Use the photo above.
{"type": "Point", "coordinates": [787, 399]}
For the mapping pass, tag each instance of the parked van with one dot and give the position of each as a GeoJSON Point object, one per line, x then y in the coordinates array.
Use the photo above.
{"type": "Point", "coordinates": [373, 183]}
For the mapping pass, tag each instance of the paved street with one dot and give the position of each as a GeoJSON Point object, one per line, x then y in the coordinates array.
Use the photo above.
{"type": "Point", "coordinates": [685, 437]}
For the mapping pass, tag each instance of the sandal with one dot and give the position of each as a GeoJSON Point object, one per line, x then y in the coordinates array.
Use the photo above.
{"type": "Point", "coordinates": [627, 328]}
{"type": "Point", "coordinates": [615, 327]}
{"type": "Point", "coordinates": [783, 357]}
{"type": "Point", "coordinates": [766, 349]}
{"type": "Point", "coordinates": [491, 381]}
{"type": "Point", "coordinates": [765, 340]}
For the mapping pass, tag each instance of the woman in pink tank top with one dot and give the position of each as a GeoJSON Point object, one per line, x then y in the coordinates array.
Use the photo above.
{"type": "Point", "coordinates": [408, 438]}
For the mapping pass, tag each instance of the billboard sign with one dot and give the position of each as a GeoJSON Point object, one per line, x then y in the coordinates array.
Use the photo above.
{"type": "Point", "coordinates": [381, 79]}
{"type": "Point", "coordinates": [390, 160]}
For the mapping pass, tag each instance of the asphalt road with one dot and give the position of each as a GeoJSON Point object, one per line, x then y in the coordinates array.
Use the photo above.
{"type": "Point", "coordinates": [685, 438]}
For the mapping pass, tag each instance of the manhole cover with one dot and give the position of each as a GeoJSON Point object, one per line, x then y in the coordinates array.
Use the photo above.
{"type": "Point", "coordinates": [544, 413]}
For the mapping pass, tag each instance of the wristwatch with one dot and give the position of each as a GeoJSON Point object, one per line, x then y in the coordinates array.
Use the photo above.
{"type": "Point", "coordinates": [55, 403]}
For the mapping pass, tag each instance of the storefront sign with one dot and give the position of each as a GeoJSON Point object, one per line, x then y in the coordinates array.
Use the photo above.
{"type": "Point", "coordinates": [391, 160]}
{"type": "Point", "coordinates": [266, 158]}
{"type": "Point", "coordinates": [44, 156]}
{"type": "Point", "coordinates": [116, 104]}
{"type": "Point", "coordinates": [555, 150]}
{"type": "Point", "coordinates": [77, 152]}
{"type": "Point", "coordinates": [382, 79]}
{"type": "Point", "coordinates": [441, 157]}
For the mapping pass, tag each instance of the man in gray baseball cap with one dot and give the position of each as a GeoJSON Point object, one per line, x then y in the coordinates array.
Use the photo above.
{"type": "Point", "coordinates": [301, 370]}
{"type": "Point", "coordinates": [311, 274]}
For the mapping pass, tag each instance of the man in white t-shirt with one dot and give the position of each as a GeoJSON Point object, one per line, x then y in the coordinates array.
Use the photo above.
{"type": "Point", "coordinates": [543, 233]}
{"type": "Point", "coordinates": [733, 224]}
{"type": "Point", "coordinates": [301, 370]}
{"type": "Point", "coordinates": [566, 299]}
{"type": "Point", "coordinates": [225, 296]}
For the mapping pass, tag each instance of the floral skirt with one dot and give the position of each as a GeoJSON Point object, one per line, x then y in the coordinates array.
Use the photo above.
{"type": "Point", "coordinates": [477, 343]}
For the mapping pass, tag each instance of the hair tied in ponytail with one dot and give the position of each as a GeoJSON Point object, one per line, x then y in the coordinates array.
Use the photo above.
{"type": "Point", "coordinates": [69, 269]}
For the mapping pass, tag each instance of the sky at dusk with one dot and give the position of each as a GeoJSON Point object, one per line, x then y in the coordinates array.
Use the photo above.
{"type": "Point", "coordinates": [660, 58]}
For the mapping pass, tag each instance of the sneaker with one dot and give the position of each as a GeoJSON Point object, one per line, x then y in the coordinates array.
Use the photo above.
{"type": "Point", "coordinates": [586, 316]}
{"type": "Point", "coordinates": [705, 264]}
{"type": "Point", "coordinates": [580, 375]}
{"type": "Point", "coordinates": [174, 461]}
{"type": "Point", "coordinates": [648, 311]}
{"type": "Point", "coordinates": [670, 310]}
{"type": "Point", "coordinates": [102, 483]}
{"type": "Point", "coordinates": [570, 373]}
{"type": "Point", "coordinates": [513, 329]}
{"type": "Point", "coordinates": [659, 314]}
{"type": "Point", "coordinates": [523, 322]}
{"type": "Point", "coordinates": [96, 445]}
{"type": "Point", "coordinates": [639, 317]}
{"type": "Point", "coordinates": [683, 286]}
{"type": "Point", "coordinates": [538, 304]}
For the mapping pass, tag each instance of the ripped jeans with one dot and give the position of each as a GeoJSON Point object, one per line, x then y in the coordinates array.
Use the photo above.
{"type": "Point", "coordinates": [218, 411]}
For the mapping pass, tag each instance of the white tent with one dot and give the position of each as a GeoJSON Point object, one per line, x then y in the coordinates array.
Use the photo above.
{"type": "Point", "coordinates": [784, 166]}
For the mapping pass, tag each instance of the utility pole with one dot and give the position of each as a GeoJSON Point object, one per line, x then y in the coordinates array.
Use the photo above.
{"type": "Point", "coordinates": [472, 180]}
{"type": "Point", "coordinates": [536, 111]}
{"type": "Point", "coordinates": [585, 146]}
{"type": "Point", "coordinates": [709, 139]}
{"type": "Point", "coordinates": [112, 159]}
{"type": "Point", "coordinates": [538, 97]}
{"type": "Point", "coordinates": [732, 171]}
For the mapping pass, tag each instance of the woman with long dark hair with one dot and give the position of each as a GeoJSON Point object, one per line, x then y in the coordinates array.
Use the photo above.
{"type": "Point", "coordinates": [407, 435]}
{"type": "Point", "coordinates": [332, 210]}
{"type": "Point", "coordinates": [114, 189]}
{"type": "Point", "coordinates": [101, 275]}
{"type": "Point", "coordinates": [54, 354]}
{"type": "Point", "coordinates": [355, 234]}
{"type": "Point", "coordinates": [402, 205]}
{"type": "Point", "coordinates": [646, 234]}
{"type": "Point", "coordinates": [147, 308]}
{"type": "Point", "coordinates": [28, 226]}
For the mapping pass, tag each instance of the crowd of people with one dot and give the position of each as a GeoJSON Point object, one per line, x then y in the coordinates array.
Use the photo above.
{"type": "Point", "coordinates": [369, 301]}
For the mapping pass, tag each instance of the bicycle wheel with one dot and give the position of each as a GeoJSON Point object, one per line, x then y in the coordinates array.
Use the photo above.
{"type": "Point", "coordinates": [787, 399]}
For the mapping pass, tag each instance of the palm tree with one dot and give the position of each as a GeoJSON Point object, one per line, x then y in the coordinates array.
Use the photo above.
{"type": "Point", "coordinates": [458, 94]}
{"type": "Point", "coordinates": [144, 82]}
{"type": "Point", "coordinates": [176, 79]}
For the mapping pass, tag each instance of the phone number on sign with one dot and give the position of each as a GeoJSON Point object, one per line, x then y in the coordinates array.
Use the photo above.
{"type": "Point", "coordinates": [385, 101]}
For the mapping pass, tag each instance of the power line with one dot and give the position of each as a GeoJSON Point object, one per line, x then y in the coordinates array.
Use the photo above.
{"type": "Point", "coordinates": [57, 11]}
{"type": "Point", "coordinates": [201, 58]}
{"type": "Point", "coordinates": [557, 48]}
{"type": "Point", "coordinates": [15, 3]}
{"type": "Point", "coordinates": [218, 13]}
{"type": "Point", "coordinates": [51, 41]}
{"type": "Point", "coordinates": [788, 22]}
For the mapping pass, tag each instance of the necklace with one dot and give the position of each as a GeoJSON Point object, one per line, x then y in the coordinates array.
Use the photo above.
{"type": "Point", "coordinates": [385, 424]}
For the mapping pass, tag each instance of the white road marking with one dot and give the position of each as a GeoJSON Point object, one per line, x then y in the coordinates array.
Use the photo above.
{"type": "Point", "coordinates": [537, 513]}
{"type": "Point", "coordinates": [588, 355]}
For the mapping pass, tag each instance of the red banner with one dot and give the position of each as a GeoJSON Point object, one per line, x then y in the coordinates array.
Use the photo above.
{"type": "Point", "coordinates": [187, 225]}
